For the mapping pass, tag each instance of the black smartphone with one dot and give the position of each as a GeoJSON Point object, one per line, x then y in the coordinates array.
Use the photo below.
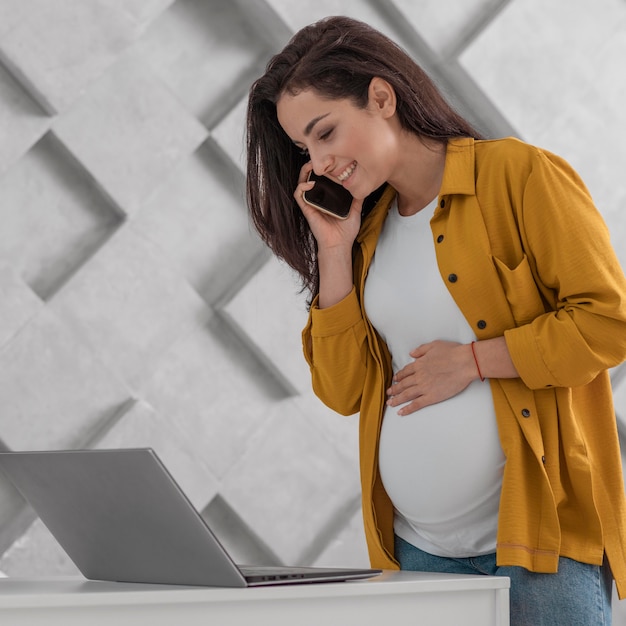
{"type": "Point", "coordinates": [328, 196]}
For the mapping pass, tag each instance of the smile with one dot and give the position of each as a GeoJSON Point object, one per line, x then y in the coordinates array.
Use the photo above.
{"type": "Point", "coordinates": [347, 172]}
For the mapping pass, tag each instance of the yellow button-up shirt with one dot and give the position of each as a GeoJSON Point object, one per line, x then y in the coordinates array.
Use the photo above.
{"type": "Point", "coordinates": [525, 254]}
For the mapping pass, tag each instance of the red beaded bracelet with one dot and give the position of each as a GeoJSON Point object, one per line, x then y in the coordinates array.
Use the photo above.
{"type": "Point", "coordinates": [482, 378]}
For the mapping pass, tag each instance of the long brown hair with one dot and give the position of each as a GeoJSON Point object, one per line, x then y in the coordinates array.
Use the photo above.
{"type": "Point", "coordinates": [337, 57]}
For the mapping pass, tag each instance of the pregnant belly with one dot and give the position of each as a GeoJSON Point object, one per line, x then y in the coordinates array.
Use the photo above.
{"type": "Point", "coordinates": [445, 461]}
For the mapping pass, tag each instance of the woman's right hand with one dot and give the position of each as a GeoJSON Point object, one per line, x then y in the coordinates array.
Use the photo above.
{"type": "Point", "coordinates": [329, 232]}
{"type": "Point", "coordinates": [335, 238]}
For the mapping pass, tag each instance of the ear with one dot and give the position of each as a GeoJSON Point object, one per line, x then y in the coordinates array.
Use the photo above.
{"type": "Point", "coordinates": [382, 97]}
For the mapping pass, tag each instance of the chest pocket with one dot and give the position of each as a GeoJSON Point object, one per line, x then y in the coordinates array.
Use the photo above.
{"type": "Point", "coordinates": [521, 291]}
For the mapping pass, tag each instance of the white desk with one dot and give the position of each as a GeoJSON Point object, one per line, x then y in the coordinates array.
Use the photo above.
{"type": "Point", "coordinates": [395, 597]}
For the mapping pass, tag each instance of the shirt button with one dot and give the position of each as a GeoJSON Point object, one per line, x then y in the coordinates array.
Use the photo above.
{"type": "Point", "coordinates": [481, 324]}
{"type": "Point", "coordinates": [525, 413]}
{"type": "Point", "coordinates": [543, 459]}
{"type": "Point", "coordinates": [453, 278]}
{"type": "Point", "coordinates": [442, 203]}
{"type": "Point", "coordinates": [440, 239]}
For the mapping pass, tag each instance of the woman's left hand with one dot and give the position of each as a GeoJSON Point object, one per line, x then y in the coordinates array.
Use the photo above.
{"type": "Point", "coordinates": [440, 370]}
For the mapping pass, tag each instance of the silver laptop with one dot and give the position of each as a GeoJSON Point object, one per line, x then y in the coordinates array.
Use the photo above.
{"type": "Point", "coordinates": [121, 516]}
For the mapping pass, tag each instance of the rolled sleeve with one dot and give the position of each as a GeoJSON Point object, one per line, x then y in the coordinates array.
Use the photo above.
{"type": "Point", "coordinates": [335, 346]}
{"type": "Point", "coordinates": [572, 255]}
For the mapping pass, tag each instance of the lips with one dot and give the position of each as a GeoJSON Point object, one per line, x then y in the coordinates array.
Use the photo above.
{"type": "Point", "coordinates": [347, 172]}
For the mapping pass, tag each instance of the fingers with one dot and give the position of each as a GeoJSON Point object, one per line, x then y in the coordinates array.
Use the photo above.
{"type": "Point", "coordinates": [298, 194]}
{"type": "Point", "coordinates": [303, 184]}
{"type": "Point", "coordinates": [419, 351]}
{"type": "Point", "coordinates": [400, 393]}
{"type": "Point", "coordinates": [413, 394]}
{"type": "Point", "coordinates": [436, 374]}
{"type": "Point", "coordinates": [416, 405]}
{"type": "Point", "coordinates": [410, 369]}
{"type": "Point", "coordinates": [304, 172]}
{"type": "Point", "coordinates": [411, 399]}
{"type": "Point", "coordinates": [405, 372]}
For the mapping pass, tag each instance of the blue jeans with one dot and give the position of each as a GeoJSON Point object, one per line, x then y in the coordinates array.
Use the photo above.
{"type": "Point", "coordinates": [578, 595]}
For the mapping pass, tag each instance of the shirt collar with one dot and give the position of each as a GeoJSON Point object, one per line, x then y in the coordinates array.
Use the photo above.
{"type": "Point", "coordinates": [458, 173]}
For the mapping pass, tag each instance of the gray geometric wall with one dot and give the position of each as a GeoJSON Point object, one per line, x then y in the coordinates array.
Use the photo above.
{"type": "Point", "coordinates": [137, 306]}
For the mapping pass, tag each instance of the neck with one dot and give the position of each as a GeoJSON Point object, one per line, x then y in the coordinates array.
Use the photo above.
{"type": "Point", "coordinates": [420, 174]}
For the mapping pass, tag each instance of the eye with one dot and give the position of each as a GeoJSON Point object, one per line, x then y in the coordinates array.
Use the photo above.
{"type": "Point", "coordinates": [326, 134]}
{"type": "Point", "coordinates": [300, 148]}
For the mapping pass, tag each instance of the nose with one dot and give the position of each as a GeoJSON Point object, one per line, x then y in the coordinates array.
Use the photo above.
{"type": "Point", "coordinates": [322, 162]}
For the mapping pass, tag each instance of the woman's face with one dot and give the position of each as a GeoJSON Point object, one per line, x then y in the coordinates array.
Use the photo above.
{"type": "Point", "coordinates": [352, 146]}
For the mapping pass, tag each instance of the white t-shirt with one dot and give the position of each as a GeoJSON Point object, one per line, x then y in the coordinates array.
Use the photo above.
{"type": "Point", "coordinates": [442, 465]}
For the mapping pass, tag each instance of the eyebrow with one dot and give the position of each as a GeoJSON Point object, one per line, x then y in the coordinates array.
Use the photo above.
{"type": "Point", "coordinates": [309, 127]}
